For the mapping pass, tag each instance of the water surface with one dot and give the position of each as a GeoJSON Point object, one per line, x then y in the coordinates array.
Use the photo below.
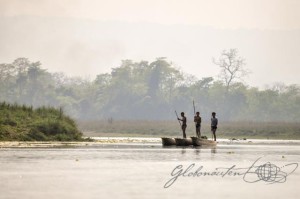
{"type": "Point", "coordinates": [140, 170]}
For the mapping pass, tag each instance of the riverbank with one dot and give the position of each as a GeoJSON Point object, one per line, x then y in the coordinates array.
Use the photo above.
{"type": "Point", "coordinates": [226, 130]}
{"type": "Point", "coordinates": [100, 141]}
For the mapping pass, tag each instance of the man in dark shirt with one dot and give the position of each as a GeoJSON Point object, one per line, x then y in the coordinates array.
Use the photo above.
{"type": "Point", "coordinates": [197, 120]}
{"type": "Point", "coordinates": [183, 126]}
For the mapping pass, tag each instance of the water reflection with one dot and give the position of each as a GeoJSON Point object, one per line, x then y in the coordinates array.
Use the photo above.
{"type": "Point", "coordinates": [214, 150]}
{"type": "Point", "coordinates": [197, 151]}
{"type": "Point", "coordinates": [183, 151]}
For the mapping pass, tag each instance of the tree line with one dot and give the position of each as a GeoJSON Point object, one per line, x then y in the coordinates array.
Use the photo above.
{"type": "Point", "coordinates": [150, 91]}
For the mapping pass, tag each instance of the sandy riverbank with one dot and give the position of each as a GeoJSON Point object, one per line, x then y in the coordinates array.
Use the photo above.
{"type": "Point", "coordinates": [98, 141]}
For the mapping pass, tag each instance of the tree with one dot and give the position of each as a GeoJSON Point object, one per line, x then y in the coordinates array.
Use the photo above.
{"type": "Point", "coordinates": [232, 67]}
{"type": "Point", "coordinates": [149, 90]}
{"type": "Point", "coordinates": [163, 79]}
{"type": "Point", "coordinates": [7, 72]}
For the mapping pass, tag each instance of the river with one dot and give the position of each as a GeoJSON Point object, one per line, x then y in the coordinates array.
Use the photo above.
{"type": "Point", "coordinates": [146, 170]}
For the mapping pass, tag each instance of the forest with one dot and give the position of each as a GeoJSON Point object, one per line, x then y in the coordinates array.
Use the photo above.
{"type": "Point", "coordinates": [150, 90]}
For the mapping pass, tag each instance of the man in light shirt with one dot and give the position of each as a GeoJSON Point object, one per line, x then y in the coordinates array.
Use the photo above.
{"type": "Point", "coordinates": [214, 125]}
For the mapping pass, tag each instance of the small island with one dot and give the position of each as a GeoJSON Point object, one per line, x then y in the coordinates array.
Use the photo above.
{"type": "Point", "coordinates": [25, 123]}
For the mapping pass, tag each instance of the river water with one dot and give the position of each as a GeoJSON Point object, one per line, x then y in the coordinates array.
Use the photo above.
{"type": "Point", "coordinates": [142, 170]}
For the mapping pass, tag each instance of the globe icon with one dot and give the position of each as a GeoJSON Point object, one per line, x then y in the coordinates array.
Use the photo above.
{"type": "Point", "coordinates": [267, 172]}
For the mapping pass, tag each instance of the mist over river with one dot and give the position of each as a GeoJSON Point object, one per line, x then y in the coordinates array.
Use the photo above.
{"type": "Point", "coordinates": [147, 170]}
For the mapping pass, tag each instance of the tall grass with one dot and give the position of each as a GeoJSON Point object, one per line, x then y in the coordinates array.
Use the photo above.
{"type": "Point", "coordinates": [20, 122]}
{"type": "Point", "coordinates": [245, 129]}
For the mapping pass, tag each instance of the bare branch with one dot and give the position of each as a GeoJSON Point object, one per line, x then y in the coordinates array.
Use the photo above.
{"type": "Point", "coordinates": [232, 66]}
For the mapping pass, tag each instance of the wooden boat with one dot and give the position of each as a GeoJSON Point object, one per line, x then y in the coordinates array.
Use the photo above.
{"type": "Point", "coordinates": [200, 142]}
{"type": "Point", "coordinates": [168, 141]}
{"type": "Point", "coordinates": [183, 141]}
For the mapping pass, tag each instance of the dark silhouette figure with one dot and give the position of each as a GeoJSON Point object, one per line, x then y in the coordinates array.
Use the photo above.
{"type": "Point", "coordinates": [197, 120]}
{"type": "Point", "coordinates": [183, 126]}
{"type": "Point", "coordinates": [214, 125]}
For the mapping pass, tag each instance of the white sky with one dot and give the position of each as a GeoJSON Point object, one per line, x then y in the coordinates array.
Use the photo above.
{"type": "Point", "coordinates": [278, 59]}
{"type": "Point", "coordinates": [262, 14]}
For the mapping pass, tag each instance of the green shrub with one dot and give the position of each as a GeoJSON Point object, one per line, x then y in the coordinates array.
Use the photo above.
{"type": "Point", "coordinates": [23, 123]}
{"type": "Point", "coordinates": [35, 135]}
{"type": "Point", "coordinates": [54, 127]}
{"type": "Point", "coordinates": [10, 122]}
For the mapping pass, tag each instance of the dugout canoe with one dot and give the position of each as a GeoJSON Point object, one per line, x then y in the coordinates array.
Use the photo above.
{"type": "Point", "coordinates": [183, 141]}
{"type": "Point", "coordinates": [200, 142]}
{"type": "Point", "coordinates": [168, 141]}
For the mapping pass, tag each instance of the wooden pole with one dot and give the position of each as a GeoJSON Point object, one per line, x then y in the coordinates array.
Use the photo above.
{"type": "Point", "coordinates": [177, 118]}
{"type": "Point", "coordinates": [194, 107]}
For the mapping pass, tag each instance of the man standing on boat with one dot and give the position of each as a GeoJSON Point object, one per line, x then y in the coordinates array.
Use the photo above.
{"type": "Point", "coordinates": [197, 120]}
{"type": "Point", "coordinates": [183, 126]}
{"type": "Point", "coordinates": [214, 125]}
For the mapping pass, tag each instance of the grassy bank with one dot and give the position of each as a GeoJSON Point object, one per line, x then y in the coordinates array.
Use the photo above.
{"type": "Point", "coordinates": [23, 123]}
{"type": "Point", "coordinates": [267, 130]}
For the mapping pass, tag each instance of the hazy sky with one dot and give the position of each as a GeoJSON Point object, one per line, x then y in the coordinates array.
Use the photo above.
{"type": "Point", "coordinates": [273, 25]}
{"type": "Point", "coordinates": [263, 14]}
